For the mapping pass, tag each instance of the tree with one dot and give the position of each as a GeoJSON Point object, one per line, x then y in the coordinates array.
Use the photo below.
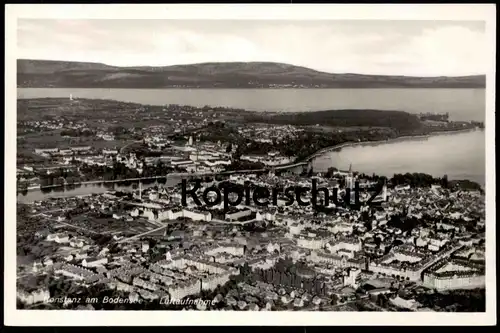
{"type": "Point", "coordinates": [382, 300]}
{"type": "Point", "coordinates": [330, 172]}
{"type": "Point", "coordinates": [444, 181]}
{"type": "Point", "coordinates": [229, 148]}
{"type": "Point", "coordinates": [310, 172]}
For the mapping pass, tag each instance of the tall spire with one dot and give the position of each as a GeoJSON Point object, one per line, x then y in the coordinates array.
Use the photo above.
{"type": "Point", "coordinates": [196, 163]}
{"type": "Point", "coordinates": [384, 191]}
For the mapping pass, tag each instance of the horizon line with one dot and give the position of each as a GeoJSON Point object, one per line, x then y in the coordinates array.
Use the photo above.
{"type": "Point", "coordinates": [249, 62]}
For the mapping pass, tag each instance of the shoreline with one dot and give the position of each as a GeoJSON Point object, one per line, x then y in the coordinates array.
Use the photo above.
{"type": "Point", "coordinates": [378, 142]}
{"type": "Point", "coordinates": [180, 175]}
{"type": "Point", "coordinates": [304, 161]}
{"type": "Point", "coordinates": [90, 182]}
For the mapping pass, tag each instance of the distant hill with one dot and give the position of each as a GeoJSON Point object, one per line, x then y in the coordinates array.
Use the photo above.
{"type": "Point", "coordinates": [64, 74]}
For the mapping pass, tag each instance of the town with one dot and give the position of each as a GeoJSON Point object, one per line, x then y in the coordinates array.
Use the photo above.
{"type": "Point", "coordinates": [131, 233]}
{"type": "Point", "coordinates": [418, 243]}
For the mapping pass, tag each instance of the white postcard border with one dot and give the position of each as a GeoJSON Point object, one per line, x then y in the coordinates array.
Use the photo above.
{"type": "Point", "coordinates": [295, 12]}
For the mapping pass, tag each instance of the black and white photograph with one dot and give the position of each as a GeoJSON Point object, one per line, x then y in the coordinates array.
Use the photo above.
{"type": "Point", "coordinates": [254, 159]}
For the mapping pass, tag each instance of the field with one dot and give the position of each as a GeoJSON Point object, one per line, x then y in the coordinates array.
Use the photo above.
{"type": "Point", "coordinates": [112, 226]}
{"type": "Point", "coordinates": [330, 129]}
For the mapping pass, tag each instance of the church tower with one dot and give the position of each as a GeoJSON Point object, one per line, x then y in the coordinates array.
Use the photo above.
{"type": "Point", "coordinates": [384, 191]}
{"type": "Point", "coordinates": [349, 181]}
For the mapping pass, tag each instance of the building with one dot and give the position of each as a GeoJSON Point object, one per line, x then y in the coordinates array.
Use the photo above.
{"type": "Point", "coordinates": [58, 238]}
{"type": "Point", "coordinates": [311, 242]}
{"type": "Point", "coordinates": [76, 242]}
{"type": "Point", "coordinates": [352, 277]}
{"type": "Point", "coordinates": [405, 303]}
{"type": "Point", "coordinates": [81, 149]}
{"type": "Point", "coordinates": [233, 249]}
{"type": "Point", "coordinates": [185, 288]}
{"type": "Point", "coordinates": [160, 215]}
{"type": "Point", "coordinates": [46, 150]}
{"type": "Point", "coordinates": [450, 274]}
{"type": "Point", "coordinates": [349, 179]}
{"type": "Point", "coordinates": [94, 262]}
{"type": "Point", "coordinates": [179, 163]}
{"type": "Point", "coordinates": [346, 243]}
{"type": "Point", "coordinates": [238, 214]}
{"type": "Point", "coordinates": [36, 296]}
{"type": "Point", "coordinates": [78, 273]}
{"type": "Point", "coordinates": [337, 260]}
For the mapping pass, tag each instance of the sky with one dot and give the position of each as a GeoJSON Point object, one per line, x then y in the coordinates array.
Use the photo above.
{"type": "Point", "coordinates": [418, 48]}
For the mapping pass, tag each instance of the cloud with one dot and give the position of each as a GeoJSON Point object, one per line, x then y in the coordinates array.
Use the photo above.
{"type": "Point", "coordinates": [371, 47]}
{"type": "Point", "coordinates": [450, 50]}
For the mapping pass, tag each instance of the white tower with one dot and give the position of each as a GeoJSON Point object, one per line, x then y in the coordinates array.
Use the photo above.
{"type": "Point", "coordinates": [196, 163]}
{"type": "Point", "coordinates": [190, 141]}
{"type": "Point", "coordinates": [349, 182]}
{"type": "Point", "coordinates": [384, 192]}
{"type": "Point", "coordinates": [70, 97]}
{"type": "Point", "coordinates": [168, 256]}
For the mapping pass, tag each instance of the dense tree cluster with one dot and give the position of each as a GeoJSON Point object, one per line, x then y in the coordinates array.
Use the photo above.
{"type": "Point", "coordinates": [455, 301]}
{"type": "Point", "coordinates": [375, 118]}
{"type": "Point", "coordinates": [308, 143]}
{"type": "Point", "coordinates": [59, 176]}
{"type": "Point", "coordinates": [285, 273]}
{"type": "Point", "coordinates": [415, 180]}
{"type": "Point", "coordinates": [77, 132]}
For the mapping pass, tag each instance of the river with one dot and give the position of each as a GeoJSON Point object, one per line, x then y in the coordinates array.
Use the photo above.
{"type": "Point", "coordinates": [88, 189]}
{"type": "Point", "coordinates": [460, 156]}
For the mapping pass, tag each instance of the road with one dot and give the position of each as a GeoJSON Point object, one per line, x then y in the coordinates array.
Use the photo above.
{"type": "Point", "coordinates": [99, 182]}
{"type": "Point", "coordinates": [378, 308]}
{"type": "Point", "coordinates": [128, 144]}
{"type": "Point", "coordinates": [183, 134]}
{"type": "Point", "coordinates": [173, 174]}
{"type": "Point", "coordinates": [143, 234]}
{"type": "Point", "coordinates": [217, 221]}
{"type": "Point", "coordinates": [165, 224]}
{"type": "Point", "coordinates": [233, 172]}
{"type": "Point", "coordinates": [50, 211]}
{"type": "Point", "coordinates": [77, 227]}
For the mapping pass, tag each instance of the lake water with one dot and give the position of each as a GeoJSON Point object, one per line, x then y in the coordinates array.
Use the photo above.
{"type": "Point", "coordinates": [462, 104]}
{"type": "Point", "coordinates": [459, 155]}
